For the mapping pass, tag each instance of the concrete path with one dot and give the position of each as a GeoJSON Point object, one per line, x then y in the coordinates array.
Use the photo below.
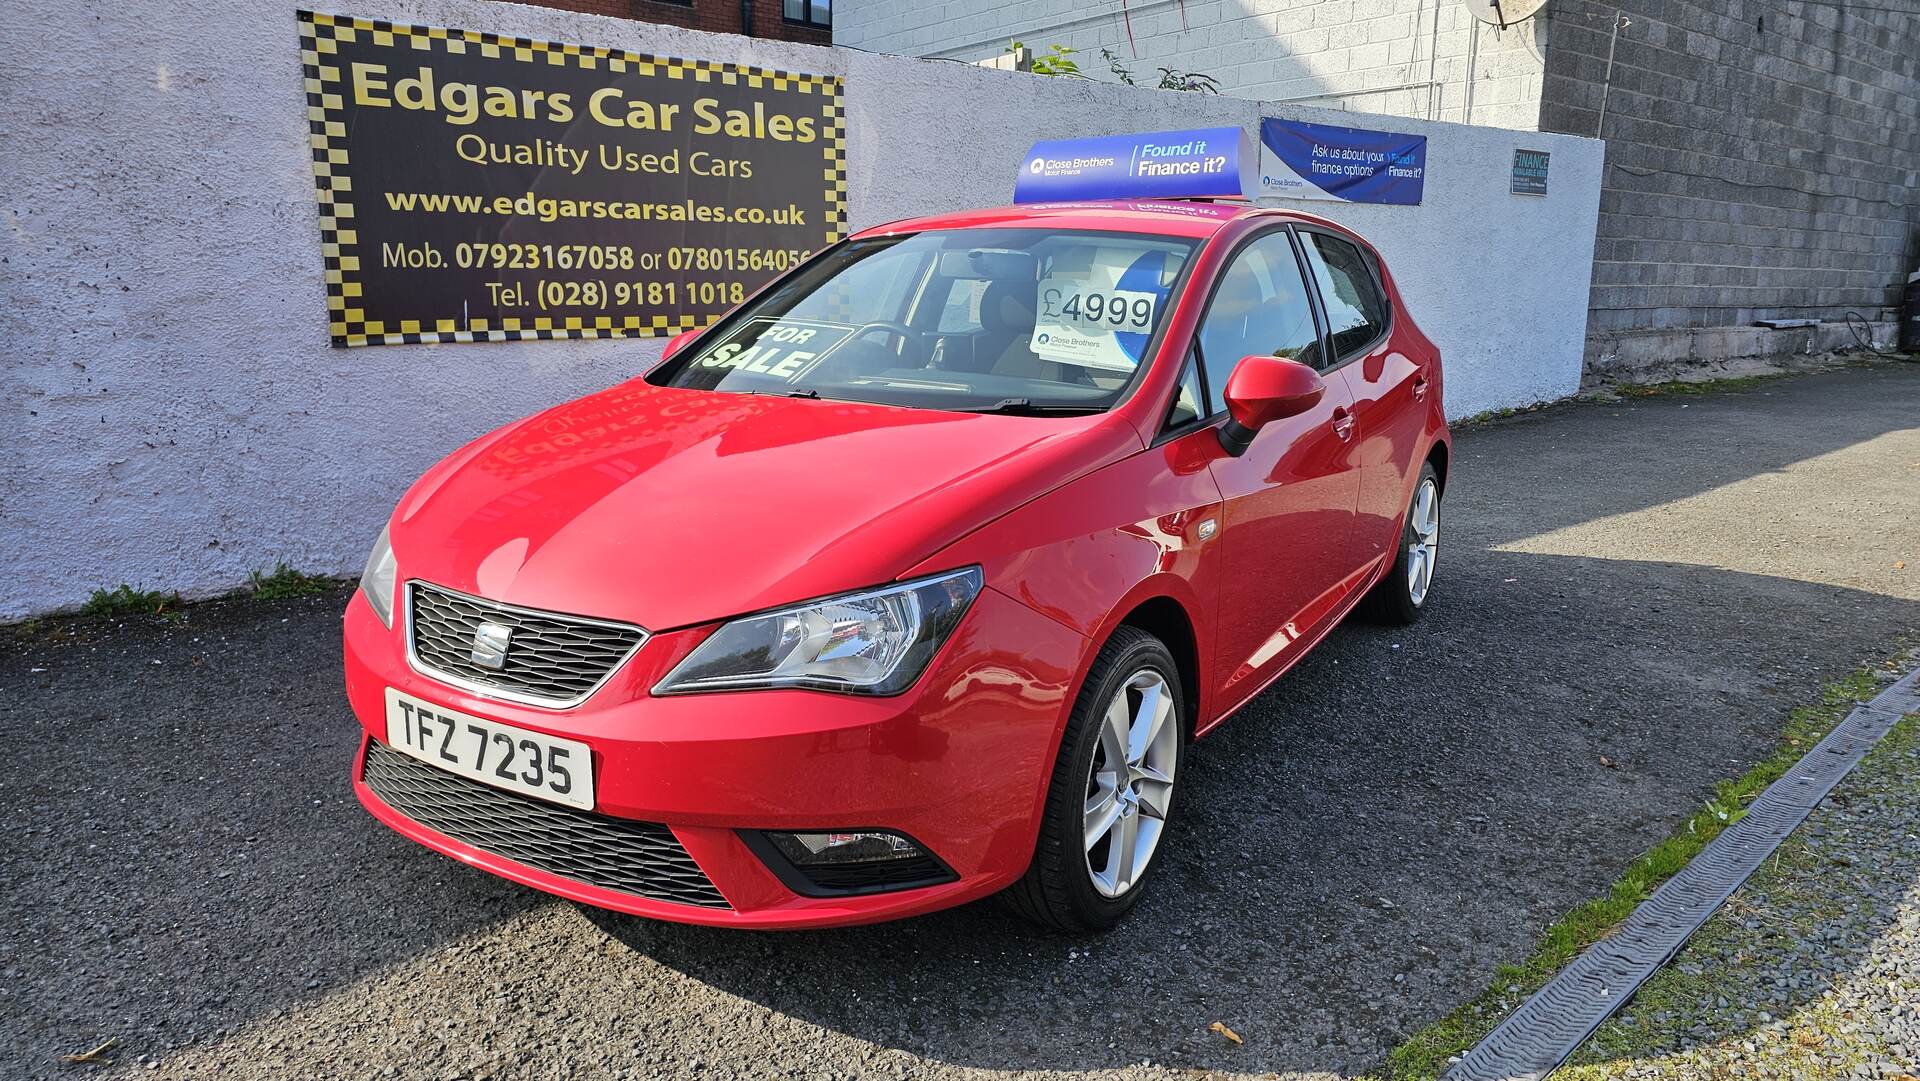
{"type": "Point", "coordinates": [1655, 581]}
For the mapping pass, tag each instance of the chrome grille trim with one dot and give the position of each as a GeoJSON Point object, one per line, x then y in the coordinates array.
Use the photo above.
{"type": "Point", "coordinates": [561, 674]}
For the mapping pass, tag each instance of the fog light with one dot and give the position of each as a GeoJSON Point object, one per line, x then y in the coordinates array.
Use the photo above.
{"type": "Point", "coordinates": [842, 863]}
{"type": "Point", "coordinates": [821, 849]}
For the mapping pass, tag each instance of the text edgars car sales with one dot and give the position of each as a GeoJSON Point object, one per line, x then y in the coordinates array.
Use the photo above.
{"type": "Point", "coordinates": [463, 103]}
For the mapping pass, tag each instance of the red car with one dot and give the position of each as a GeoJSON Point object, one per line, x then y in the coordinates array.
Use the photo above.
{"type": "Point", "coordinates": [912, 579]}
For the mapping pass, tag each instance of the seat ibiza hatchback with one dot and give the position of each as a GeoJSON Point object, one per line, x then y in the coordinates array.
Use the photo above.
{"type": "Point", "coordinates": [913, 578]}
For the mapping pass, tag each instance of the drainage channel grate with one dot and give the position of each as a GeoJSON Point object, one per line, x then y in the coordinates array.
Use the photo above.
{"type": "Point", "coordinates": [1536, 1038]}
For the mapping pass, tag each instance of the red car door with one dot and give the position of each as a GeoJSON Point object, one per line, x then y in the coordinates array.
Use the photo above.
{"type": "Point", "coordinates": [1389, 387]}
{"type": "Point", "coordinates": [1286, 535]}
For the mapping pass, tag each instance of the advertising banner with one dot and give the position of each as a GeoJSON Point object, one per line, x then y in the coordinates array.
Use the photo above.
{"type": "Point", "coordinates": [480, 188]}
{"type": "Point", "coordinates": [1349, 165]}
{"type": "Point", "coordinates": [1530, 172]}
{"type": "Point", "coordinates": [1199, 163]}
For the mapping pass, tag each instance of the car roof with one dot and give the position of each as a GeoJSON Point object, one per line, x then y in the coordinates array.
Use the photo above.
{"type": "Point", "coordinates": [1165, 217]}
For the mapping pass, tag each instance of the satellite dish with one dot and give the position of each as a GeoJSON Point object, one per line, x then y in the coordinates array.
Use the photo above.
{"type": "Point", "coordinates": [1504, 13]}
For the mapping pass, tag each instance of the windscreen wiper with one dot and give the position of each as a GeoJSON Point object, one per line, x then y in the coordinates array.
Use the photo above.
{"type": "Point", "coordinates": [1025, 407]}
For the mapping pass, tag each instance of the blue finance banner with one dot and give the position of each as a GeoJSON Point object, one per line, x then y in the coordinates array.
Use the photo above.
{"type": "Point", "coordinates": [1203, 162]}
{"type": "Point", "coordinates": [1349, 165]}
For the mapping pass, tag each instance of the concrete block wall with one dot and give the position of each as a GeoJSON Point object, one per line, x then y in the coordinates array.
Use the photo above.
{"type": "Point", "coordinates": [1368, 56]}
{"type": "Point", "coordinates": [1763, 160]}
{"type": "Point", "coordinates": [175, 417]}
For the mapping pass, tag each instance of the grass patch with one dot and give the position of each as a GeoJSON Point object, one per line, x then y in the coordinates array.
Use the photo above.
{"type": "Point", "coordinates": [280, 584]}
{"type": "Point", "coordinates": [1734, 384]}
{"type": "Point", "coordinates": [285, 583]}
{"type": "Point", "coordinates": [1488, 416]}
{"type": "Point", "coordinates": [1689, 387]}
{"type": "Point", "coordinates": [1426, 1053]}
{"type": "Point", "coordinates": [124, 600]}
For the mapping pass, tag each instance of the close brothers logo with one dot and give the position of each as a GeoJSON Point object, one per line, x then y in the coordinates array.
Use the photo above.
{"type": "Point", "coordinates": [1039, 166]}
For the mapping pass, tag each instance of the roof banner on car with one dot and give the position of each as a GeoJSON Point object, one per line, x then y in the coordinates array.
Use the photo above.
{"type": "Point", "coordinates": [1350, 165]}
{"type": "Point", "coordinates": [1198, 163]}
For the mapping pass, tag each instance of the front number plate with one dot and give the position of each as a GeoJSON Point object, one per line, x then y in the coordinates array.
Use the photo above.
{"type": "Point", "coordinates": [542, 766]}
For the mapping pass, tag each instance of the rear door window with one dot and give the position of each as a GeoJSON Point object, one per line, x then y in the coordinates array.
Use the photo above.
{"type": "Point", "coordinates": [1356, 307]}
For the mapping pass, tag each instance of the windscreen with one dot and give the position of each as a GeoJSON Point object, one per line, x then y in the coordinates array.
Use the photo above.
{"type": "Point", "coordinates": [1013, 320]}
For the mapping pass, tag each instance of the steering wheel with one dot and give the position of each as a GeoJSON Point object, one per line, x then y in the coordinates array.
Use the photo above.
{"type": "Point", "coordinates": [899, 330]}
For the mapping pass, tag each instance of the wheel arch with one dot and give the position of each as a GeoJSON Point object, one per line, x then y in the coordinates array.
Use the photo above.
{"type": "Point", "coordinates": [1439, 456]}
{"type": "Point", "coordinates": [1168, 620]}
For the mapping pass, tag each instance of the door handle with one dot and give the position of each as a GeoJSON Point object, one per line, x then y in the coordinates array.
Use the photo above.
{"type": "Point", "coordinates": [1420, 389]}
{"type": "Point", "coordinates": [1342, 424]}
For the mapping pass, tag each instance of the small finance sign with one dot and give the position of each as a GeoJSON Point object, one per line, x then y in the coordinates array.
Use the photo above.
{"type": "Point", "coordinates": [1530, 172]}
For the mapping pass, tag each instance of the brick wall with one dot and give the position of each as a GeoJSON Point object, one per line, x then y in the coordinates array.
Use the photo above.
{"type": "Point", "coordinates": [1763, 158]}
{"type": "Point", "coordinates": [717, 16]}
{"type": "Point", "coordinates": [1373, 56]}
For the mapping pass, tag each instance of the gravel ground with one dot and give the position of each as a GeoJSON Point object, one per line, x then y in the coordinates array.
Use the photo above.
{"type": "Point", "coordinates": [1812, 970]}
{"type": "Point", "coordinates": [1655, 582]}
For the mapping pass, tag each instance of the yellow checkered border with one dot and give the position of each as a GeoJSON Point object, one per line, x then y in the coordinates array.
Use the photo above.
{"type": "Point", "coordinates": [347, 324]}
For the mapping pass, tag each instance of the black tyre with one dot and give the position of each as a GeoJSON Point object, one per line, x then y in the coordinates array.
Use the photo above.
{"type": "Point", "coordinates": [1113, 790]}
{"type": "Point", "coordinates": [1402, 595]}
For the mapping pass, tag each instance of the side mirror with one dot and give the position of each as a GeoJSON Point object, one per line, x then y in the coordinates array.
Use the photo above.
{"type": "Point", "coordinates": [677, 343]}
{"type": "Point", "coordinates": [1262, 390]}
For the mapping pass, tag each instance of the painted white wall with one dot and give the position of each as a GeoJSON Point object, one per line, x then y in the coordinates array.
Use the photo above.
{"type": "Point", "coordinates": [175, 417]}
{"type": "Point", "coordinates": [1369, 56]}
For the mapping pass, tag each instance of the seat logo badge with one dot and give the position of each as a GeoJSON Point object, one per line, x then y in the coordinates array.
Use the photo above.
{"type": "Point", "coordinates": [490, 642]}
{"type": "Point", "coordinates": [1207, 527]}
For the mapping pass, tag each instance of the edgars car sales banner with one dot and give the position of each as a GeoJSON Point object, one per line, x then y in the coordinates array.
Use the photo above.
{"type": "Point", "coordinates": [1351, 165]}
{"type": "Point", "coordinates": [480, 188]}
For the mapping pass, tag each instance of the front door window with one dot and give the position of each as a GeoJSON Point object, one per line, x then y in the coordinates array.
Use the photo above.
{"type": "Point", "coordinates": [1259, 309]}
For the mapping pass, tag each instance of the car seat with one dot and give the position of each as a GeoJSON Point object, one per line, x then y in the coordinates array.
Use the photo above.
{"type": "Point", "coordinates": [1006, 322]}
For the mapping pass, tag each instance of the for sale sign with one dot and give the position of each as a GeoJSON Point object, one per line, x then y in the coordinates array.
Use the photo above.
{"type": "Point", "coordinates": [480, 188]}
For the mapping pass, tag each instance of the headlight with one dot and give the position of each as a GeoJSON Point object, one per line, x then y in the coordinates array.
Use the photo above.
{"type": "Point", "coordinates": [378, 579]}
{"type": "Point", "coordinates": [875, 642]}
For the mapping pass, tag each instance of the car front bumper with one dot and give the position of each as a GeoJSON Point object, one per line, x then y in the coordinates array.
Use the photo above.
{"type": "Point", "coordinates": [959, 763]}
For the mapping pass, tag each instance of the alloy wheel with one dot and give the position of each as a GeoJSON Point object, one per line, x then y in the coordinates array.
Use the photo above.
{"type": "Point", "coordinates": [1130, 782]}
{"type": "Point", "coordinates": [1423, 541]}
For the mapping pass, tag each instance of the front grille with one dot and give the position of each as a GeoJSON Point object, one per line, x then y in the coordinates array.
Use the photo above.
{"type": "Point", "coordinates": [552, 659]}
{"type": "Point", "coordinates": [641, 858]}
